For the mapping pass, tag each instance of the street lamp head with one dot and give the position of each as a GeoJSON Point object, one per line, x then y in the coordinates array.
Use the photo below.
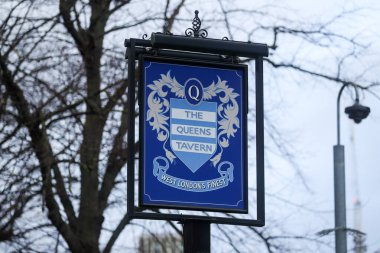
{"type": "Point", "coordinates": [357, 112]}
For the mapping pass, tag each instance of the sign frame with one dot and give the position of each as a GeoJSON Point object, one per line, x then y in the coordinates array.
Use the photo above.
{"type": "Point", "coordinates": [243, 169]}
{"type": "Point", "coordinates": [197, 49]}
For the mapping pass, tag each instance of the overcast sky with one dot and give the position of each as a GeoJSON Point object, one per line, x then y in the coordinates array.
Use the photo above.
{"type": "Point", "coordinates": [309, 114]}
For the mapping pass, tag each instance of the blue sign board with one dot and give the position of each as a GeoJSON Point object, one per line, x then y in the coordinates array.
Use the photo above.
{"type": "Point", "coordinates": [194, 143]}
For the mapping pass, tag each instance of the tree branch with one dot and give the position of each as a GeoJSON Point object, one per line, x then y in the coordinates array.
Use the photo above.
{"type": "Point", "coordinates": [41, 146]}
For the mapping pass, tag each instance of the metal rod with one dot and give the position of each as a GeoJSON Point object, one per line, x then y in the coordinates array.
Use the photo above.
{"type": "Point", "coordinates": [260, 138]}
{"type": "Point", "coordinates": [137, 42]}
{"type": "Point", "coordinates": [183, 218]}
{"type": "Point", "coordinates": [131, 130]}
{"type": "Point", "coordinates": [340, 200]}
{"type": "Point", "coordinates": [338, 113]}
{"type": "Point", "coordinates": [187, 55]}
{"type": "Point", "coordinates": [182, 55]}
{"type": "Point", "coordinates": [196, 236]}
{"type": "Point", "coordinates": [234, 48]}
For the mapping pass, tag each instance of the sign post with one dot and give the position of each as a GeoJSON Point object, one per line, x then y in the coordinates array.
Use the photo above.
{"type": "Point", "coordinates": [193, 106]}
{"type": "Point", "coordinates": [196, 236]}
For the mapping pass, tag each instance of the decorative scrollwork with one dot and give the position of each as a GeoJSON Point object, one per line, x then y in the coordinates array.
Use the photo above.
{"type": "Point", "coordinates": [145, 36]}
{"type": "Point", "coordinates": [189, 32]}
{"type": "Point", "coordinates": [203, 33]}
{"type": "Point", "coordinates": [196, 31]}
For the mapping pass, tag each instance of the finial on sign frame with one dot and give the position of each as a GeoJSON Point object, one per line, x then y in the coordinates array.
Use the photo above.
{"type": "Point", "coordinates": [196, 31]}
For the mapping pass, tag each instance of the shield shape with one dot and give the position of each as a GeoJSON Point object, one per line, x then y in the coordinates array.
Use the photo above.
{"type": "Point", "coordinates": [193, 131]}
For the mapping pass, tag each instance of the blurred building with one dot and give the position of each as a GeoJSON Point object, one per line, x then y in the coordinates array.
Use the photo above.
{"type": "Point", "coordinates": [167, 243]}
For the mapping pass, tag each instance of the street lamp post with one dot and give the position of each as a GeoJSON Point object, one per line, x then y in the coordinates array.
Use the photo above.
{"type": "Point", "coordinates": [356, 112]}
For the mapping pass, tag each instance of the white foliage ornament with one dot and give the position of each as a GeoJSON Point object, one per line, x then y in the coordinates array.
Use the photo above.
{"type": "Point", "coordinates": [228, 109]}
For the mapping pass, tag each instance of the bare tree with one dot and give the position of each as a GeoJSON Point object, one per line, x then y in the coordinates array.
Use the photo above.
{"type": "Point", "coordinates": [63, 111]}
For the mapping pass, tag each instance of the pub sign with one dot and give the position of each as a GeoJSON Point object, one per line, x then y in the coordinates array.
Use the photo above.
{"type": "Point", "coordinates": [193, 133]}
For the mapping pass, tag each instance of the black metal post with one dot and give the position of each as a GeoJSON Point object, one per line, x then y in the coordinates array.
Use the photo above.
{"type": "Point", "coordinates": [131, 130]}
{"type": "Point", "coordinates": [196, 236]}
{"type": "Point", "coordinates": [259, 73]}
